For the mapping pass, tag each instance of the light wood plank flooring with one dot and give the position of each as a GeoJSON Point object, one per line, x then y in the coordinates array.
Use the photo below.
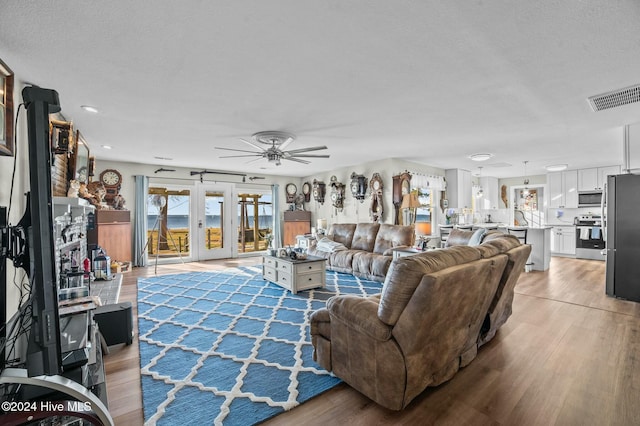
{"type": "Point", "coordinates": [569, 355]}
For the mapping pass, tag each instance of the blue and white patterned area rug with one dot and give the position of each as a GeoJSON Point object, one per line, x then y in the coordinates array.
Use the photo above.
{"type": "Point", "coordinates": [228, 347]}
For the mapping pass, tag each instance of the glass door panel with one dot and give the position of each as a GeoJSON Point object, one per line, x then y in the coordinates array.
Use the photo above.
{"type": "Point", "coordinates": [168, 219]}
{"type": "Point", "coordinates": [255, 221]}
{"type": "Point", "coordinates": [213, 221]}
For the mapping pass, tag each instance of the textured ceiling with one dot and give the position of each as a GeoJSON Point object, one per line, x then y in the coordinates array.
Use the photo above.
{"type": "Point", "coordinates": [427, 81]}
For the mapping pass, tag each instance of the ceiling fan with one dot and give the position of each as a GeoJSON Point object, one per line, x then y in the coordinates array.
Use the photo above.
{"type": "Point", "coordinates": [271, 144]}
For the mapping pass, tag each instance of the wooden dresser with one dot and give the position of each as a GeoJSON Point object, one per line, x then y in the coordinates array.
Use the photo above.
{"type": "Point", "coordinates": [113, 233]}
{"type": "Point", "coordinates": [296, 222]}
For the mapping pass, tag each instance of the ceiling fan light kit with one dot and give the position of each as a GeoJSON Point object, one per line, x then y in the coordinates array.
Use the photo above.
{"type": "Point", "coordinates": [272, 145]}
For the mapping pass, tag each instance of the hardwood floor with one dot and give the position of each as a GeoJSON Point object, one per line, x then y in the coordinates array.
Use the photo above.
{"type": "Point", "coordinates": [567, 356]}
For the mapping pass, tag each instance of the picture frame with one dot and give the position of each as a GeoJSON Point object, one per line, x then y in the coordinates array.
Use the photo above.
{"type": "Point", "coordinates": [6, 110]}
{"type": "Point", "coordinates": [81, 167]}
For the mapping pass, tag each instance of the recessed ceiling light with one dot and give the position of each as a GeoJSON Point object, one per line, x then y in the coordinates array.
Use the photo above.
{"type": "Point", "coordinates": [556, 167]}
{"type": "Point", "coordinates": [106, 146]}
{"type": "Point", "coordinates": [90, 108]}
{"type": "Point", "coordinates": [480, 157]}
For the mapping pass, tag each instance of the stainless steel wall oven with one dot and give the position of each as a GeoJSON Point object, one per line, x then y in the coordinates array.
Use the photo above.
{"type": "Point", "coordinates": [589, 237]}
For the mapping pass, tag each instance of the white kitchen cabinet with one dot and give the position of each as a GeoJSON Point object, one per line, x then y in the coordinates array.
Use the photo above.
{"type": "Point", "coordinates": [458, 188]}
{"type": "Point", "coordinates": [490, 197]}
{"type": "Point", "coordinates": [563, 189]}
{"type": "Point", "coordinates": [603, 172]}
{"type": "Point", "coordinates": [593, 179]}
{"type": "Point", "coordinates": [563, 240]}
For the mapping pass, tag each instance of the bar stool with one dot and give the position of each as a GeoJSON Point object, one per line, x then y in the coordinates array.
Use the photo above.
{"type": "Point", "coordinates": [521, 235]}
{"type": "Point", "coordinates": [465, 227]}
{"type": "Point", "coordinates": [445, 230]}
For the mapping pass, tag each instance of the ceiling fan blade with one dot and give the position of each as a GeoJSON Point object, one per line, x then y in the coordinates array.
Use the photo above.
{"type": "Point", "coordinates": [286, 143]}
{"type": "Point", "coordinates": [296, 160]}
{"type": "Point", "coordinates": [253, 161]}
{"type": "Point", "coordinates": [310, 155]}
{"type": "Point", "coordinates": [313, 148]}
{"type": "Point", "coordinates": [238, 150]}
{"type": "Point", "coordinates": [238, 156]}
{"type": "Point", "coordinates": [253, 144]}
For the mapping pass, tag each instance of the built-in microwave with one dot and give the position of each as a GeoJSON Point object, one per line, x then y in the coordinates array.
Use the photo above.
{"type": "Point", "coordinates": [589, 198]}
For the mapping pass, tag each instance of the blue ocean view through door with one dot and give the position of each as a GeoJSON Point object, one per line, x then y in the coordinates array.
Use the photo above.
{"type": "Point", "coordinates": [212, 221]}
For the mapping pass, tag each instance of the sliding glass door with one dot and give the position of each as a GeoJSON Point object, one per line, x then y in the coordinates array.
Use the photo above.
{"type": "Point", "coordinates": [190, 223]}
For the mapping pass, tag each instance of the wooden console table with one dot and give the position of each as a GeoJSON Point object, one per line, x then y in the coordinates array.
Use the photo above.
{"type": "Point", "coordinates": [294, 275]}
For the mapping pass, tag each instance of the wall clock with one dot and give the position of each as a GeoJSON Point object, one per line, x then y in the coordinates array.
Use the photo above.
{"type": "Point", "coordinates": [337, 193]}
{"type": "Point", "coordinates": [376, 209]}
{"type": "Point", "coordinates": [401, 187]}
{"type": "Point", "coordinates": [112, 181]}
{"type": "Point", "coordinates": [291, 190]}
{"type": "Point", "coordinates": [306, 191]}
{"type": "Point", "coordinates": [319, 190]}
{"type": "Point", "coordinates": [358, 186]}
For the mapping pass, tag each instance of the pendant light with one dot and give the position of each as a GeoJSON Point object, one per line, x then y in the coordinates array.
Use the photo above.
{"type": "Point", "coordinates": [480, 192]}
{"type": "Point", "coordinates": [526, 181]}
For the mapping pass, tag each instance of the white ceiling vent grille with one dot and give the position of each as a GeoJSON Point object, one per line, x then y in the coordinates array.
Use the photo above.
{"type": "Point", "coordinates": [628, 95]}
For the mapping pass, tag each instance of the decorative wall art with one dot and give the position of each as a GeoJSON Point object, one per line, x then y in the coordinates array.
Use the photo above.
{"type": "Point", "coordinates": [319, 191]}
{"type": "Point", "coordinates": [306, 191]}
{"type": "Point", "coordinates": [376, 210]}
{"type": "Point", "coordinates": [6, 110]}
{"type": "Point", "coordinates": [291, 190]}
{"type": "Point", "coordinates": [337, 193]}
{"type": "Point", "coordinates": [358, 186]}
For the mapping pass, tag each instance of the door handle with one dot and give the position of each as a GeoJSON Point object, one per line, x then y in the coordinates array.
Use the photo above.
{"type": "Point", "coordinates": [199, 224]}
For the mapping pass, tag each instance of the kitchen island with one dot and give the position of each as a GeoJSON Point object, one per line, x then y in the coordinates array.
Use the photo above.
{"type": "Point", "coordinates": [539, 237]}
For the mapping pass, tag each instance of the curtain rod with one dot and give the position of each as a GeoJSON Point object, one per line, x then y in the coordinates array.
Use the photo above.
{"type": "Point", "coordinates": [213, 181]}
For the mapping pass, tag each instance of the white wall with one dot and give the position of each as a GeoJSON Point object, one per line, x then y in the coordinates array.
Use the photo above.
{"type": "Point", "coordinates": [354, 211]}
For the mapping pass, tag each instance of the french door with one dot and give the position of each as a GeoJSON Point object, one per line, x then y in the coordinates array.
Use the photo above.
{"type": "Point", "coordinates": [213, 222]}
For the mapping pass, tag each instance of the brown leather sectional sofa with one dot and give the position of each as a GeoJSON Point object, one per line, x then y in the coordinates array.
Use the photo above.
{"type": "Point", "coordinates": [435, 310]}
{"type": "Point", "coordinates": [368, 248]}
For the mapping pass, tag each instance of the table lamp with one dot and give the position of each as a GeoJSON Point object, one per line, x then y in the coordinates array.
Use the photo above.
{"type": "Point", "coordinates": [409, 203]}
{"type": "Point", "coordinates": [423, 229]}
{"type": "Point", "coordinates": [321, 226]}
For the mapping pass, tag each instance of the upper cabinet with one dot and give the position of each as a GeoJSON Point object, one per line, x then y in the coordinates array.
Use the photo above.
{"type": "Point", "coordinates": [563, 192]}
{"type": "Point", "coordinates": [458, 188]}
{"type": "Point", "coordinates": [594, 179]}
{"type": "Point", "coordinates": [489, 199]}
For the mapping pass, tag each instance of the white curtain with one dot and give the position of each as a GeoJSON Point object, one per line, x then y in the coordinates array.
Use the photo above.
{"type": "Point", "coordinates": [140, 221]}
{"type": "Point", "coordinates": [422, 181]}
{"type": "Point", "coordinates": [275, 199]}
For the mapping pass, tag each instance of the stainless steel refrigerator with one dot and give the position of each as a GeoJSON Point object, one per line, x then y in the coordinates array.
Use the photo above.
{"type": "Point", "coordinates": [622, 235]}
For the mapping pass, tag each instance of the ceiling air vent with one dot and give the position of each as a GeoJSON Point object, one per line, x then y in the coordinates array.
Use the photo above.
{"type": "Point", "coordinates": [628, 95]}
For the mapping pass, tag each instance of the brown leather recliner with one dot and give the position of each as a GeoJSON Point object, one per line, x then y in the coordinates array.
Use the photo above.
{"type": "Point", "coordinates": [425, 324]}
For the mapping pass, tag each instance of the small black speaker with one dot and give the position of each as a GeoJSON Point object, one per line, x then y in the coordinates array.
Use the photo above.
{"type": "Point", "coordinates": [115, 322]}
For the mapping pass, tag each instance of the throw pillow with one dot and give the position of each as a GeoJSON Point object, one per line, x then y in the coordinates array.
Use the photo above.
{"type": "Point", "coordinates": [476, 238]}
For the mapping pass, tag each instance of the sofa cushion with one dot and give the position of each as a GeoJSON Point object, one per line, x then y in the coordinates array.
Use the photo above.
{"type": "Point", "coordinates": [477, 236]}
{"type": "Point", "coordinates": [390, 236]}
{"type": "Point", "coordinates": [342, 233]}
{"type": "Point", "coordinates": [370, 266]}
{"type": "Point", "coordinates": [406, 273]}
{"type": "Point", "coordinates": [364, 237]}
{"type": "Point", "coordinates": [458, 237]}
